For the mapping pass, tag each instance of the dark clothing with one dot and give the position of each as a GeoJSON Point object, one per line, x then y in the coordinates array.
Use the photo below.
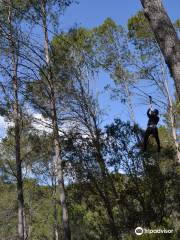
{"type": "Point", "coordinates": [153, 118]}
{"type": "Point", "coordinates": [152, 129]}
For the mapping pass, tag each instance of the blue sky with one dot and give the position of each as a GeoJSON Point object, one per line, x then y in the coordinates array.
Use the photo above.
{"type": "Point", "coordinates": [91, 13]}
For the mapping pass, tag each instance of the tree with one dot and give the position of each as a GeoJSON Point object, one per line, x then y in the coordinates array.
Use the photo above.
{"type": "Point", "coordinates": [152, 67]}
{"type": "Point", "coordinates": [10, 28]}
{"type": "Point", "coordinates": [112, 54]}
{"type": "Point", "coordinates": [166, 37]}
{"type": "Point", "coordinates": [44, 13]}
{"type": "Point", "coordinates": [82, 112]}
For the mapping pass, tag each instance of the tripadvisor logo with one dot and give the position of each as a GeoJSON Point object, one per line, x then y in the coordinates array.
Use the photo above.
{"type": "Point", "coordinates": [139, 231]}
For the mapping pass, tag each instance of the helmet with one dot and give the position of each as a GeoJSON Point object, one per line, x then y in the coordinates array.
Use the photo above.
{"type": "Point", "coordinates": [156, 112]}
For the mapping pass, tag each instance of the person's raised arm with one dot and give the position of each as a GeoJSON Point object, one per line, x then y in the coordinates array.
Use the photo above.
{"type": "Point", "coordinates": [149, 113]}
{"type": "Point", "coordinates": [150, 107]}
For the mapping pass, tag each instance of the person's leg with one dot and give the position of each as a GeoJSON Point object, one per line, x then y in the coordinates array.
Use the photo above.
{"type": "Point", "coordinates": [156, 136]}
{"type": "Point", "coordinates": [146, 137]}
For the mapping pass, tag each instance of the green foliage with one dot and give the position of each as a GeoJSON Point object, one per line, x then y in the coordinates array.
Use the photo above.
{"type": "Point", "coordinates": [8, 208]}
{"type": "Point", "coordinates": [143, 195]}
{"type": "Point", "coordinates": [112, 186]}
{"type": "Point", "coordinates": [139, 28]}
{"type": "Point", "coordinates": [81, 50]}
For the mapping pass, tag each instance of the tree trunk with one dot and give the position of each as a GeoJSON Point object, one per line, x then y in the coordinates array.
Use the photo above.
{"type": "Point", "coordinates": [174, 135]}
{"type": "Point", "coordinates": [19, 180]}
{"type": "Point", "coordinates": [170, 111]}
{"type": "Point", "coordinates": [60, 181]}
{"type": "Point", "coordinates": [57, 148]}
{"type": "Point", "coordinates": [54, 203]}
{"type": "Point", "coordinates": [59, 169]}
{"type": "Point", "coordinates": [173, 129]}
{"type": "Point", "coordinates": [55, 213]}
{"type": "Point", "coordinates": [16, 118]}
{"type": "Point", "coordinates": [21, 229]}
{"type": "Point", "coordinates": [166, 37]}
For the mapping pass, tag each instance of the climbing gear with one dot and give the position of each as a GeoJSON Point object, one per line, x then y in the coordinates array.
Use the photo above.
{"type": "Point", "coordinates": [152, 126]}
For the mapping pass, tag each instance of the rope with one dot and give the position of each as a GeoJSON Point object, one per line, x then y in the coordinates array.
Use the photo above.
{"type": "Point", "coordinates": [147, 96]}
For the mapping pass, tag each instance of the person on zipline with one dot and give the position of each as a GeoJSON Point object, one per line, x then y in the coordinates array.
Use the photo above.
{"type": "Point", "coordinates": [152, 127]}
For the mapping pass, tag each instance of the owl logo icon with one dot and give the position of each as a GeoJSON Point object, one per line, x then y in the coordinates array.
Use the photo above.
{"type": "Point", "coordinates": [139, 231]}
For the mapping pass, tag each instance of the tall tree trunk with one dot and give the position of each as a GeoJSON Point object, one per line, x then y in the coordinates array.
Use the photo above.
{"type": "Point", "coordinates": [57, 148]}
{"type": "Point", "coordinates": [174, 134]}
{"type": "Point", "coordinates": [166, 37]}
{"type": "Point", "coordinates": [55, 213]}
{"type": "Point", "coordinates": [16, 117]}
{"type": "Point", "coordinates": [60, 180]}
{"type": "Point", "coordinates": [170, 111]}
{"type": "Point", "coordinates": [173, 128]}
{"type": "Point", "coordinates": [20, 196]}
{"type": "Point", "coordinates": [54, 203]}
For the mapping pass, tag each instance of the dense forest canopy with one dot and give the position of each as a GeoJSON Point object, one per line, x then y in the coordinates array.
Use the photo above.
{"type": "Point", "coordinates": [65, 171]}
